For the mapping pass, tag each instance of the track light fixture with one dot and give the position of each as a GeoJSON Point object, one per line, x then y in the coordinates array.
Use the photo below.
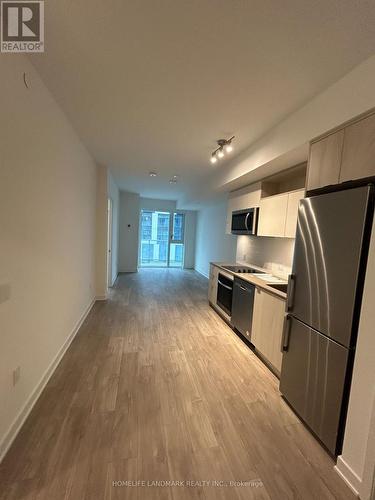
{"type": "Point", "coordinates": [224, 146]}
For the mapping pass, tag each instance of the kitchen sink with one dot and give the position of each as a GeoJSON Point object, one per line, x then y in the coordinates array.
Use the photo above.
{"type": "Point", "coordinates": [282, 287]}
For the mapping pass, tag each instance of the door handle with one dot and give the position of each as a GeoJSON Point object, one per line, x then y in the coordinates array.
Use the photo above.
{"type": "Point", "coordinates": [286, 333]}
{"type": "Point", "coordinates": [243, 288]}
{"type": "Point", "coordinates": [246, 219]}
{"type": "Point", "coordinates": [225, 286]}
{"type": "Point", "coordinates": [290, 292]}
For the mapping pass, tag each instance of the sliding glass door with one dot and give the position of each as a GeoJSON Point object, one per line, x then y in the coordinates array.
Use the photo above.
{"type": "Point", "coordinates": [161, 239]}
{"type": "Point", "coordinates": [176, 255]}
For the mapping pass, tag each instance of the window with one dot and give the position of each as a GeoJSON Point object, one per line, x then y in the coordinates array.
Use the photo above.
{"type": "Point", "coordinates": [160, 245]}
{"type": "Point", "coordinates": [178, 227]}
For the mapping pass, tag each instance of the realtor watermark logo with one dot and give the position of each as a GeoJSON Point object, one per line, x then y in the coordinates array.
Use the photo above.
{"type": "Point", "coordinates": [22, 26]}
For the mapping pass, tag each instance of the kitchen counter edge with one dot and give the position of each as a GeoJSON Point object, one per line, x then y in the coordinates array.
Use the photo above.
{"type": "Point", "coordinates": [251, 278]}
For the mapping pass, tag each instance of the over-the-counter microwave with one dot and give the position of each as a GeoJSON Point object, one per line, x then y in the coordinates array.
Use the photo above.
{"type": "Point", "coordinates": [245, 221]}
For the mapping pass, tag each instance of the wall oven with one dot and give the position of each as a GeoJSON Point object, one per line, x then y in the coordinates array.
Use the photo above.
{"type": "Point", "coordinates": [245, 221]}
{"type": "Point", "coordinates": [224, 293]}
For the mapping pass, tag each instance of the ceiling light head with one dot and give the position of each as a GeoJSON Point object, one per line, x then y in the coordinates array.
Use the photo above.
{"type": "Point", "coordinates": [152, 174]}
{"type": "Point", "coordinates": [224, 146]}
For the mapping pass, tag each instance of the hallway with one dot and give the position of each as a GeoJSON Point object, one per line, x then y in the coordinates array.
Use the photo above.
{"type": "Point", "coordinates": [156, 387]}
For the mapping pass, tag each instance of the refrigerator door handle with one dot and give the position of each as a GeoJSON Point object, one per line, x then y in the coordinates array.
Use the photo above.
{"type": "Point", "coordinates": [290, 293]}
{"type": "Point", "coordinates": [286, 333]}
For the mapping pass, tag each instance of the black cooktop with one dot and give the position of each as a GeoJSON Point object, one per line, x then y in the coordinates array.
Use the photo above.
{"type": "Point", "coordinates": [242, 269]}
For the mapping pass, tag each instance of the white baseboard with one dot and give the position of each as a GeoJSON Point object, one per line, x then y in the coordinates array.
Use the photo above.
{"type": "Point", "coordinates": [348, 475]}
{"type": "Point", "coordinates": [15, 427]}
{"type": "Point", "coordinates": [201, 272]}
{"type": "Point", "coordinates": [101, 297]}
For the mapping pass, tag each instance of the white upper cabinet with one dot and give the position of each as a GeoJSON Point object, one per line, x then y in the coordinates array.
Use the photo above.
{"type": "Point", "coordinates": [325, 160]}
{"type": "Point", "coordinates": [358, 155]}
{"type": "Point", "coordinates": [272, 215]}
{"type": "Point", "coordinates": [292, 212]}
{"type": "Point", "coordinates": [278, 214]}
{"type": "Point", "coordinates": [345, 155]}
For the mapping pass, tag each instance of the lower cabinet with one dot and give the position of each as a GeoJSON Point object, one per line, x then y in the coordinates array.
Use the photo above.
{"type": "Point", "coordinates": [268, 319]}
{"type": "Point", "coordinates": [212, 285]}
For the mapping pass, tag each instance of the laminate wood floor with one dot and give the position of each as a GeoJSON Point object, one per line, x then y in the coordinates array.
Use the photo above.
{"type": "Point", "coordinates": [156, 387]}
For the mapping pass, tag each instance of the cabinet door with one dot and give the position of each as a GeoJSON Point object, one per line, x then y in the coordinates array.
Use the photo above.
{"type": "Point", "coordinates": [325, 161]}
{"type": "Point", "coordinates": [292, 213]}
{"type": "Point", "coordinates": [268, 319]}
{"type": "Point", "coordinates": [272, 215]}
{"type": "Point", "coordinates": [212, 285]}
{"type": "Point", "coordinates": [358, 156]}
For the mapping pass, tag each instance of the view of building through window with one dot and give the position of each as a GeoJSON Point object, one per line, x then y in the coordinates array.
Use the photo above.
{"type": "Point", "coordinates": [154, 243]}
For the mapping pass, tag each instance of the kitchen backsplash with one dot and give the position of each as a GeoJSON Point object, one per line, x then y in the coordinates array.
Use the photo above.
{"type": "Point", "coordinates": [275, 254]}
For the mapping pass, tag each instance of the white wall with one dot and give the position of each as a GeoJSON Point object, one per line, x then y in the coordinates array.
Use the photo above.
{"type": "Point", "coordinates": [101, 233]}
{"type": "Point", "coordinates": [190, 234]}
{"type": "Point", "coordinates": [275, 254]}
{"type": "Point", "coordinates": [47, 249]}
{"type": "Point", "coordinates": [360, 421]}
{"type": "Point", "coordinates": [114, 195]}
{"type": "Point", "coordinates": [129, 232]}
{"type": "Point", "coordinates": [212, 244]}
{"type": "Point", "coordinates": [158, 205]}
{"type": "Point", "coordinates": [348, 97]}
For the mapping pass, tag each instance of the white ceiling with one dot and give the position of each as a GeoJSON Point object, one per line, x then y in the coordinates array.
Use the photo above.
{"type": "Point", "coordinates": [151, 84]}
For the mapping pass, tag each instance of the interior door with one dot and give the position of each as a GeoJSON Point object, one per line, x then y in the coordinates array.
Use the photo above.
{"type": "Point", "coordinates": [313, 380]}
{"type": "Point", "coordinates": [326, 261]}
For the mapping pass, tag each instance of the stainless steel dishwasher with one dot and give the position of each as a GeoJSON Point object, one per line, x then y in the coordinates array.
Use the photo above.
{"type": "Point", "coordinates": [242, 306]}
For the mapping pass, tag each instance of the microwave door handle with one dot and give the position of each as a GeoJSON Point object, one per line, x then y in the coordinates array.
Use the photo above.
{"type": "Point", "coordinates": [246, 219]}
{"type": "Point", "coordinates": [255, 220]}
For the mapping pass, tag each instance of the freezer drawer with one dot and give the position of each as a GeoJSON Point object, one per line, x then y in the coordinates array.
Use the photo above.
{"type": "Point", "coordinates": [242, 307]}
{"type": "Point", "coordinates": [327, 258]}
{"type": "Point", "coordinates": [313, 380]}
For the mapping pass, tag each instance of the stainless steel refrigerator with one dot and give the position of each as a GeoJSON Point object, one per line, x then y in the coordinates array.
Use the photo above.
{"type": "Point", "coordinates": [324, 300]}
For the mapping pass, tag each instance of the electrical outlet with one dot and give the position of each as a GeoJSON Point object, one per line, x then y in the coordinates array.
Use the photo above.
{"type": "Point", "coordinates": [16, 375]}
